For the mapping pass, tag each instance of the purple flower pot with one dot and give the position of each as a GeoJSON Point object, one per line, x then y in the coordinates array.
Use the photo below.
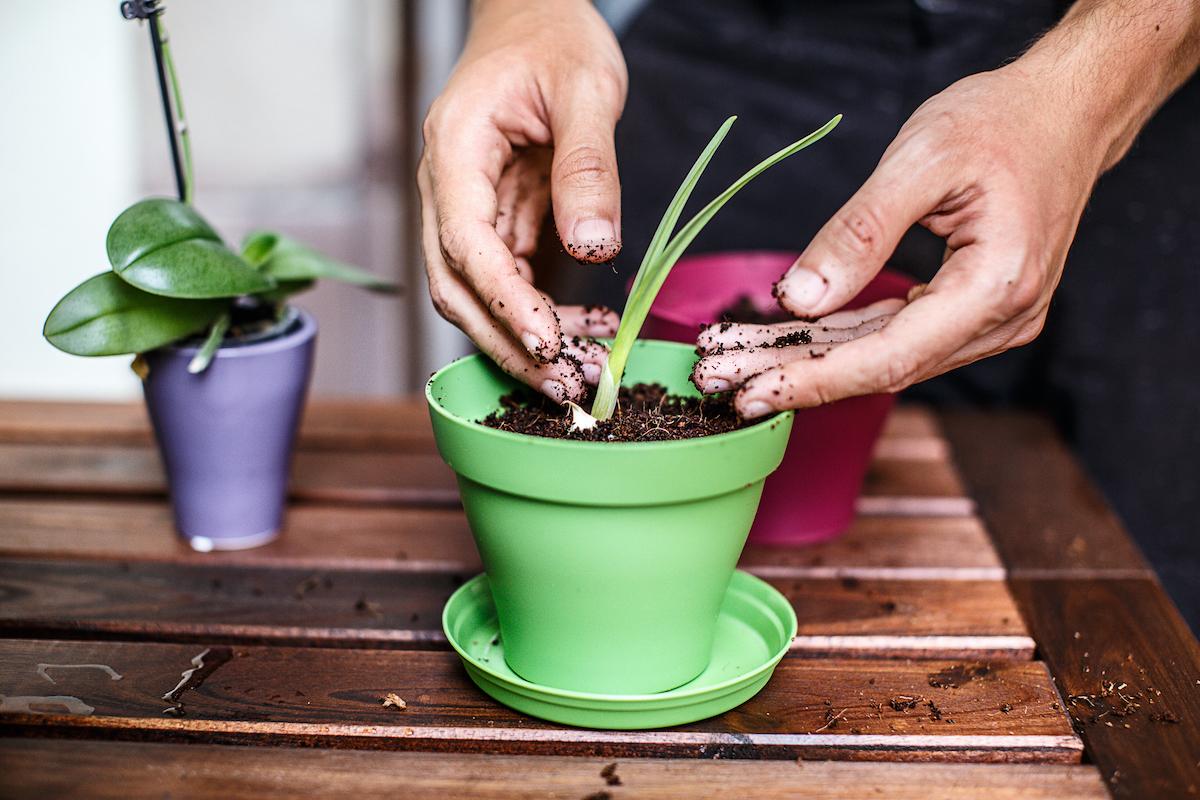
{"type": "Point", "coordinates": [811, 497]}
{"type": "Point", "coordinates": [226, 434]}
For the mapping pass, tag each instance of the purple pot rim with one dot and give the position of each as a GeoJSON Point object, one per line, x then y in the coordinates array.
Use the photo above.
{"type": "Point", "coordinates": [305, 331]}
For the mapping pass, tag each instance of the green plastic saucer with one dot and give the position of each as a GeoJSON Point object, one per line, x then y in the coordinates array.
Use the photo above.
{"type": "Point", "coordinates": [755, 627]}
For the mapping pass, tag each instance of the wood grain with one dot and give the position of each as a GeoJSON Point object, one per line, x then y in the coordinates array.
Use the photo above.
{"type": "Point", "coordinates": [1103, 624]}
{"type": "Point", "coordinates": [104, 770]}
{"type": "Point", "coordinates": [1122, 650]}
{"type": "Point", "coordinates": [320, 536]}
{"type": "Point", "coordinates": [1044, 515]}
{"type": "Point", "coordinates": [342, 608]}
{"type": "Point", "coordinates": [385, 477]}
{"type": "Point", "coordinates": [328, 423]}
{"type": "Point", "coordinates": [333, 697]}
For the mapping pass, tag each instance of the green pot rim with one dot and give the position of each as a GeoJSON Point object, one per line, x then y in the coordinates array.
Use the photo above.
{"type": "Point", "coordinates": [571, 444]}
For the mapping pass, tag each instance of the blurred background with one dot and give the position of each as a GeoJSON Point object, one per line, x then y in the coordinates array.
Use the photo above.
{"type": "Point", "coordinates": [305, 118]}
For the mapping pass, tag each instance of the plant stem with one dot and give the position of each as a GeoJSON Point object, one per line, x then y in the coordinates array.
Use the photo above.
{"type": "Point", "coordinates": [156, 45]}
{"type": "Point", "coordinates": [204, 356]}
{"type": "Point", "coordinates": [185, 135]}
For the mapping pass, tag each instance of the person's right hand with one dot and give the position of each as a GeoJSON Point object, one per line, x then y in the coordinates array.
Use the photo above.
{"type": "Point", "coordinates": [528, 114]}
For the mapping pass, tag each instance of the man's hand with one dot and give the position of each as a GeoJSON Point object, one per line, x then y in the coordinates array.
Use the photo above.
{"type": "Point", "coordinates": [1000, 165]}
{"type": "Point", "coordinates": [528, 114]}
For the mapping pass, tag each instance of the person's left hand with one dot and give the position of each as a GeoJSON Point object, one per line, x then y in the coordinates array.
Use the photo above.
{"type": "Point", "coordinates": [995, 167]}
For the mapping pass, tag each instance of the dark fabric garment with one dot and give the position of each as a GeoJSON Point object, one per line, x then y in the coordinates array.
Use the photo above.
{"type": "Point", "coordinates": [1117, 364]}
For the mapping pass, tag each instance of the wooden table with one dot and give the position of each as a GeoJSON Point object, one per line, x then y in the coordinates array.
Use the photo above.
{"type": "Point", "coordinates": [1005, 640]}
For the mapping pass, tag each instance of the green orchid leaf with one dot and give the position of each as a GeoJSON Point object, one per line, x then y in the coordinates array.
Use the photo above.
{"type": "Point", "coordinates": [104, 316]}
{"type": "Point", "coordinates": [283, 290]}
{"type": "Point", "coordinates": [164, 247]}
{"type": "Point", "coordinates": [285, 259]}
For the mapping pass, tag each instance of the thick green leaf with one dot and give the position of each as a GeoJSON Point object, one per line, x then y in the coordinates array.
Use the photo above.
{"type": "Point", "coordinates": [283, 290]}
{"type": "Point", "coordinates": [285, 259]}
{"type": "Point", "coordinates": [164, 247]}
{"type": "Point", "coordinates": [104, 316]}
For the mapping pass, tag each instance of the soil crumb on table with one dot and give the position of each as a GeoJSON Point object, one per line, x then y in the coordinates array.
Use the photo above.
{"type": "Point", "coordinates": [645, 413]}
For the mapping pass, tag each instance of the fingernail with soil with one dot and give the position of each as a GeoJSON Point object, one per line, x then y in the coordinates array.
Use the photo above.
{"type": "Point", "coordinates": [712, 385]}
{"type": "Point", "coordinates": [555, 390]}
{"type": "Point", "coordinates": [593, 232]}
{"type": "Point", "coordinates": [755, 409]}
{"type": "Point", "coordinates": [803, 288]}
{"type": "Point", "coordinates": [532, 343]}
{"type": "Point", "coordinates": [591, 373]}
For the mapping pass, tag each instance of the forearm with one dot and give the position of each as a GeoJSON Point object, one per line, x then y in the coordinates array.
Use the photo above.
{"type": "Point", "coordinates": [1112, 63]}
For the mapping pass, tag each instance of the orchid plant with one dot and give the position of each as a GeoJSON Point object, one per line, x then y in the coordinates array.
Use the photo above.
{"type": "Point", "coordinates": [172, 276]}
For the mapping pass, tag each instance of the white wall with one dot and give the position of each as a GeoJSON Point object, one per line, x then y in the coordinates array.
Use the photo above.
{"type": "Point", "coordinates": [293, 109]}
{"type": "Point", "coordinates": [68, 165]}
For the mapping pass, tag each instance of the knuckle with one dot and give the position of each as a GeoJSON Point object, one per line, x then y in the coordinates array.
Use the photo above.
{"type": "Point", "coordinates": [441, 303]}
{"type": "Point", "coordinates": [432, 121]}
{"type": "Point", "coordinates": [450, 240]}
{"type": "Point", "coordinates": [583, 166]}
{"type": "Point", "coordinates": [608, 84]}
{"type": "Point", "coordinates": [509, 363]}
{"type": "Point", "coordinates": [1026, 291]}
{"type": "Point", "coordinates": [899, 372]}
{"type": "Point", "coordinates": [861, 231]}
{"type": "Point", "coordinates": [1028, 332]}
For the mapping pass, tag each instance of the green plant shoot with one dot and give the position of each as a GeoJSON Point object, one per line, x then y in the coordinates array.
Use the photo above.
{"type": "Point", "coordinates": [664, 251]}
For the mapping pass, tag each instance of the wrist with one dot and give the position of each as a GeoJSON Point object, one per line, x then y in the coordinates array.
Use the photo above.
{"type": "Point", "coordinates": [1107, 68]}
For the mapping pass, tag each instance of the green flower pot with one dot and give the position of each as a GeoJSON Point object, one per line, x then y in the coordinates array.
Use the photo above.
{"type": "Point", "coordinates": [608, 563]}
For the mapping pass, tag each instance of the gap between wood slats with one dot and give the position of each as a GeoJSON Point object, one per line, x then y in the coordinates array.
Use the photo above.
{"type": "Point", "coordinates": [389, 609]}
{"type": "Point", "coordinates": [616, 744]}
{"type": "Point", "coordinates": [428, 540]}
{"type": "Point", "coordinates": [39, 768]}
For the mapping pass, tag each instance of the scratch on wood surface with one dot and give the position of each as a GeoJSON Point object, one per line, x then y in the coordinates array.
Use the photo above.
{"type": "Point", "coordinates": [42, 669]}
{"type": "Point", "coordinates": [45, 704]}
{"type": "Point", "coordinates": [194, 677]}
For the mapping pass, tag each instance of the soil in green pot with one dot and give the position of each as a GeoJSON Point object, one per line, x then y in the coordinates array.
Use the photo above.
{"type": "Point", "coordinates": [645, 413]}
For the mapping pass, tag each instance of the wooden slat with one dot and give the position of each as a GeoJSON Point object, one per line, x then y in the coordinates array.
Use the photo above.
{"type": "Point", "coordinates": [338, 424]}
{"type": "Point", "coordinates": [103, 770]}
{"type": "Point", "coordinates": [392, 477]}
{"type": "Point", "coordinates": [1100, 618]}
{"type": "Point", "coordinates": [324, 697]}
{"type": "Point", "coordinates": [1045, 515]}
{"type": "Point", "coordinates": [1122, 650]}
{"type": "Point", "coordinates": [350, 537]}
{"type": "Point", "coordinates": [340, 608]}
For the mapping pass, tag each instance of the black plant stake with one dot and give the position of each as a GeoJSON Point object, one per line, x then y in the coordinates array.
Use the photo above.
{"type": "Point", "coordinates": [149, 10]}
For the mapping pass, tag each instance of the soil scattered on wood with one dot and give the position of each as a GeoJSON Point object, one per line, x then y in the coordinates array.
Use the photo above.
{"type": "Point", "coordinates": [609, 773]}
{"type": "Point", "coordinates": [645, 413]}
{"type": "Point", "coordinates": [953, 677]}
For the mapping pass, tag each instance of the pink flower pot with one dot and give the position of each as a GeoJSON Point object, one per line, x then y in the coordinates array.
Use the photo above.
{"type": "Point", "coordinates": [811, 497]}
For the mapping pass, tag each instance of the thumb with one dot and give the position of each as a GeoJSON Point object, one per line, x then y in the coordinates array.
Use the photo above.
{"type": "Point", "coordinates": [584, 187]}
{"type": "Point", "coordinates": [852, 247]}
